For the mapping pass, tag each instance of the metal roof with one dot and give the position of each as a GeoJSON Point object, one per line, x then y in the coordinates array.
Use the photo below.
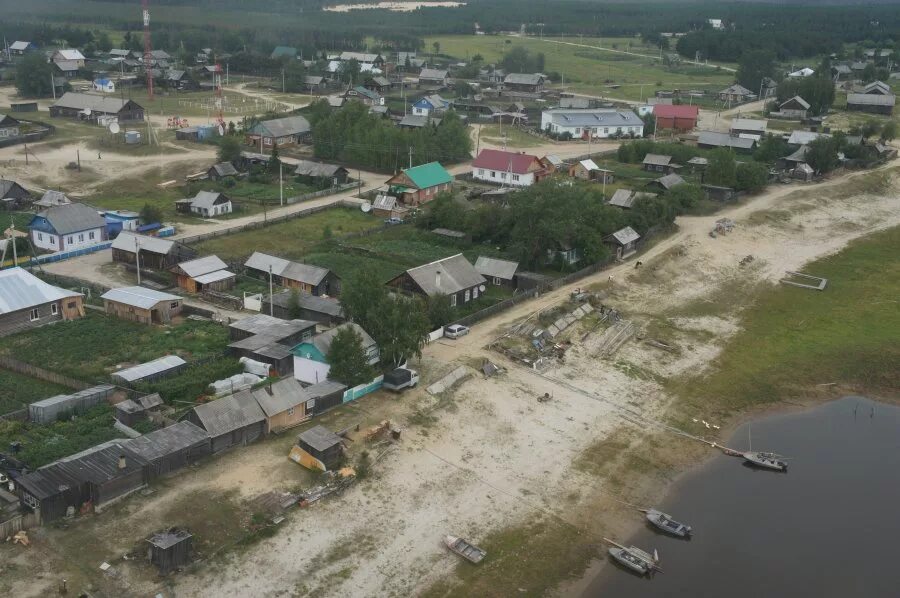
{"type": "Point", "coordinates": [384, 202]}
{"type": "Point", "coordinates": [737, 90]}
{"type": "Point", "coordinates": [225, 169]}
{"type": "Point", "coordinates": [229, 413]}
{"type": "Point", "coordinates": [169, 538]}
{"type": "Point", "coordinates": [287, 269]}
{"type": "Point", "coordinates": [797, 99]}
{"type": "Point", "coordinates": [723, 140]}
{"type": "Point", "coordinates": [749, 124]}
{"type": "Point", "coordinates": [657, 159]}
{"type": "Point", "coordinates": [416, 120]}
{"type": "Point", "coordinates": [151, 368]}
{"type": "Point", "coordinates": [282, 127]}
{"type": "Point", "coordinates": [443, 277]}
{"type": "Point", "coordinates": [878, 87]}
{"type": "Point", "coordinates": [206, 199]}
{"type": "Point", "coordinates": [19, 45]}
{"type": "Point", "coordinates": [359, 56]}
{"type": "Point", "coordinates": [127, 241]}
{"type": "Point", "coordinates": [277, 398]}
{"type": "Point", "coordinates": [524, 78]}
{"type": "Point", "coordinates": [139, 404]}
{"type": "Point", "coordinates": [625, 198]}
{"type": "Point", "coordinates": [72, 218]}
{"type": "Point", "coordinates": [213, 276]}
{"type": "Point", "coordinates": [70, 54]}
{"type": "Point", "coordinates": [496, 268]}
{"type": "Point", "coordinates": [804, 137]}
{"type": "Point", "coordinates": [669, 181]}
{"type": "Point", "coordinates": [436, 74]}
{"type": "Point", "coordinates": [52, 198]}
{"type": "Point", "coordinates": [322, 305]}
{"type": "Point", "coordinates": [516, 163]}
{"type": "Point", "coordinates": [323, 341]}
{"type": "Point", "coordinates": [590, 165]}
{"type": "Point", "coordinates": [140, 297]}
{"type": "Point", "coordinates": [20, 289]}
{"type": "Point", "coordinates": [317, 169]}
{"type": "Point", "coordinates": [95, 103]}
{"type": "Point", "coordinates": [57, 399]}
{"type": "Point", "coordinates": [428, 175]}
{"type": "Point", "coordinates": [202, 265]}
{"type": "Point", "coordinates": [594, 118]}
{"type": "Point", "coordinates": [625, 235]}
{"type": "Point", "coordinates": [319, 438]}
{"type": "Point", "coordinates": [166, 441]}
{"type": "Point", "coordinates": [870, 99]}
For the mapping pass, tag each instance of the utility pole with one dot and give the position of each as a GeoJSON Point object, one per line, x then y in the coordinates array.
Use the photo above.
{"type": "Point", "coordinates": [410, 156]}
{"type": "Point", "coordinates": [53, 85]}
{"type": "Point", "coordinates": [137, 258]}
{"type": "Point", "coordinates": [280, 183]}
{"type": "Point", "coordinates": [12, 225]}
{"type": "Point", "coordinates": [271, 303]}
{"type": "Point", "coordinates": [282, 81]}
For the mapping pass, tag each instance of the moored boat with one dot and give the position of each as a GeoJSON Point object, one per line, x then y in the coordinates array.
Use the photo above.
{"type": "Point", "coordinates": [667, 524]}
{"type": "Point", "coordinates": [766, 460]}
{"type": "Point", "coordinates": [468, 551]}
{"type": "Point", "coordinates": [634, 558]}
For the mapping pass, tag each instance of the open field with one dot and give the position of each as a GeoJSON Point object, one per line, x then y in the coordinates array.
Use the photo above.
{"type": "Point", "coordinates": [511, 136]}
{"type": "Point", "coordinates": [587, 70]}
{"type": "Point", "coordinates": [90, 348]}
{"type": "Point", "coordinates": [17, 390]}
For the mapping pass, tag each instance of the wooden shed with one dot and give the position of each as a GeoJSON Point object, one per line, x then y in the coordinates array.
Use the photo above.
{"type": "Point", "coordinates": [143, 305]}
{"type": "Point", "coordinates": [205, 273]}
{"type": "Point", "coordinates": [323, 444]}
{"type": "Point", "coordinates": [155, 253]}
{"type": "Point", "coordinates": [235, 420]}
{"type": "Point", "coordinates": [131, 411]}
{"type": "Point", "coordinates": [170, 550]}
{"type": "Point", "coordinates": [171, 448]}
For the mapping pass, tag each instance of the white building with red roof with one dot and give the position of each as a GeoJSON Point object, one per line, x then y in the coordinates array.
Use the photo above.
{"type": "Point", "coordinates": [508, 168]}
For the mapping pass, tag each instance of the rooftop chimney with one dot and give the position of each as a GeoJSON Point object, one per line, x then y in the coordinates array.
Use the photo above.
{"type": "Point", "coordinates": [122, 462]}
{"type": "Point", "coordinates": [437, 280]}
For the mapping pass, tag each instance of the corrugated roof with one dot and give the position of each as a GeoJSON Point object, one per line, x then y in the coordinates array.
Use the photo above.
{"type": "Point", "coordinates": [516, 163]}
{"type": "Point", "coordinates": [202, 265]}
{"type": "Point", "coordinates": [106, 104]}
{"type": "Point", "coordinates": [319, 438]}
{"type": "Point", "coordinates": [428, 175]}
{"type": "Point", "coordinates": [151, 368]}
{"type": "Point", "coordinates": [870, 99]}
{"type": "Point", "coordinates": [317, 169]}
{"type": "Point", "coordinates": [167, 441]}
{"type": "Point", "coordinates": [73, 218]}
{"type": "Point", "coordinates": [283, 127]}
{"type": "Point", "coordinates": [213, 276]}
{"type": "Point", "coordinates": [594, 118]}
{"type": "Point", "coordinates": [675, 111]}
{"type": "Point", "coordinates": [127, 241]}
{"type": "Point", "coordinates": [206, 199]}
{"type": "Point", "coordinates": [384, 202]}
{"type": "Point", "coordinates": [287, 269]}
{"type": "Point", "coordinates": [717, 139]}
{"type": "Point", "coordinates": [456, 274]}
{"type": "Point", "coordinates": [277, 398]}
{"type": "Point", "coordinates": [140, 297]}
{"type": "Point", "coordinates": [496, 268]}
{"type": "Point", "coordinates": [657, 159]}
{"type": "Point", "coordinates": [229, 413]}
{"type": "Point", "coordinates": [625, 235]}
{"type": "Point", "coordinates": [20, 289]}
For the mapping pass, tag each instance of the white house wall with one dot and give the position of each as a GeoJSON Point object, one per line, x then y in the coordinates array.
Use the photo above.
{"type": "Point", "coordinates": [502, 176]}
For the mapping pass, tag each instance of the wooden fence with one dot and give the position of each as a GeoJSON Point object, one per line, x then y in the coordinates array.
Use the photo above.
{"type": "Point", "coordinates": [23, 521]}
{"type": "Point", "coordinates": [36, 372]}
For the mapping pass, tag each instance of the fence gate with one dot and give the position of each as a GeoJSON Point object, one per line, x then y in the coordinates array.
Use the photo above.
{"type": "Point", "coordinates": [253, 302]}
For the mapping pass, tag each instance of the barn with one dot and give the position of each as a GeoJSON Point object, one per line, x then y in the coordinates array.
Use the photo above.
{"type": "Point", "coordinates": [205, 273]}
{"type": "Point", "coordinates": [171, 448]}
{"type": "Point", "coordinates": [235, 420]}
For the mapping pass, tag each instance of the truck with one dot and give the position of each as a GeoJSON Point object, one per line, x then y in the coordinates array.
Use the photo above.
{"type": "Point", "coordinates": [400, 378]}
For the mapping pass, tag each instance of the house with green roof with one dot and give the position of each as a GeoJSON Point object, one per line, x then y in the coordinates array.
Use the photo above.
{"type": "Point", "coordinates": [418, 185]}
{"type": "Point", "coordinates": [283, 52]}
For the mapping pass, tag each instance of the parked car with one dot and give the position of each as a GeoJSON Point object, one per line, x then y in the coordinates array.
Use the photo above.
{"type": "Point", "coordinates": [393, 220]}
{"type": "Point", "coordinates": [455, 330]}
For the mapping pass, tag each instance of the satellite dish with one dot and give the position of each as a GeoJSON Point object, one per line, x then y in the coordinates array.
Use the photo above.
{"type": "Point", "coordinates": [114, 128]}
{"type": "Point", "coordinates": [87, 111]}
{"type": "Point", "coordinates": [366, 207]}
{"type": "Point", "coordinates": [482, 288]}
{"type": "Point", "coordinates": [221, 131]}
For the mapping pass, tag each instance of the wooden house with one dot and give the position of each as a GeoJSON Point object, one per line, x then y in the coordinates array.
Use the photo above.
{"type": "Point", "coordinates": [418, 185]}
{"type": "Point", "coordinates": [433, 77]}
{"type": "Point", "coordinates": [752, 128]}
{"type": "Point", "coordinates": [508, 168]}
{"type": "Point", "coordinates": [206, 204]}
{"type": "Point", "coordinates": [795, 107]}
{"type": "Point", "coordinates": [9, 127]}
{"type": "Point", "coordinates": [85, 106]}
{"type": "Point", "coordinates": [205, 273]}
{"type": "Point", "coordinates": [142, 305]}
{"type": "Point", "coordinates": [322, 444]}
{"type": "Point", "coordinates": [452, 277]}
{"type": "Point", "coordinates": [66, 227]}
{"type": "Point", "coordinates": [172, 448]}
{"type": "Point", "coordinates": [527, 82]}
{"type": "Point", "coordinates": [321, 174]}
{"type": "Point", "coordinates": [155, 253]}
{"type": "Point", "coordinates": [235, 420]}
{"type": "Point", "coordinates": [290, 130]}
{"type": "Point", "coordinates": [222, 170]}
{"type": "Point", "coordinates": [304, 277]}
{"type": "Point", "coordinates": [132, 411]}
{"type": "Point", "coordinates": [625, 198]}
{"type": "Point", "coordinates": [623, 242]}
{"type": "Point", "coordinates": [284, 404]}
{"type": "Point", "coordinates": [659, 163]}
{"type": "Point", "coordinates": [14, 196]}
{"type": "Point", "coordinates": [497, 272]}
{"type": "Point", "coordinates": [736, 94]}
{"type": "Point", "coordinates": [26, 302]}
{"type": "Point", "coordinates": [587, 170]}
{"type": "Point", "coordinates": [288, 304]}
{"type": "Point", "coordinates": [269, 340]}
{"type": "Point", "coordinates": [666, 183]}
{"type": "Point", "coordinates": [170, 550]}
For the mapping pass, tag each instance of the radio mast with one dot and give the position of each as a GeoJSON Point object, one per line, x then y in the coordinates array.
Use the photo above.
{"type": "Point", "coordinates": [148, 48]}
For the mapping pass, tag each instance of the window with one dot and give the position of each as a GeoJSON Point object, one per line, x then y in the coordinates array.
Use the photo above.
{"type": "Point", "coordinates": [70, 241]}
{"type": "Point", "coordinates": [606, 129]}
{"type": "Point", "coordinates": [494, 174]}
{"type": "Point", "coordinates": [481, 172]}
{"type": "Point", "coordinates": [291, 411]}
{"type": "Point", "coordinates": [81, 238]}
{"type": "Point", "coordinates": [515, 177]}
{"type": "Point", "coordinates": [497, 281]}
{"type": "Point", "coordinates": [578, 130]}
{"type": "Point", "coordinates": [173, 305]}
{"type": "Point", "coordinates": [466, 300]}
{"type": "Point", "coordinates": [40, 237]}
{"type": "Point", "coordinates": [34, 314]}
{"type": "Point", "coordinates": [475, 293]}
{"type": "Point", "coordinates": [502, 175]}
{"type": "Point", "coordinates": [91, 235]}
{"type": "Point", "coordinates": [54, 309]}
{"type": "Point", "coordinates": [70, 305]}
{"type": "Point", "coordinates": [453, 300]}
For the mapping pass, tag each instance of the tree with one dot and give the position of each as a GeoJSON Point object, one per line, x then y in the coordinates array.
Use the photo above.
{"type": "Point", "coordinates": [347, 358]}
{"type": "Point", "coordinates": [751, 176]}
{"type": "Point", "coordinates": [33, 76]}
{"type": "Point", "coordinates": [294, 310]}
{"type": "Point", "coordinates": [462, 89]}
{"type": "Point", "coordinates": [229, 148]}
{"type": "Point", "coordinates": [274, 164]}
{"type": "Point", "coordinates": [817, 90]}
{"type": "Point", "coordinates": [753, 67]}
{"type": "Point", "coordinates": [151, 214]}
{"type": "Point", "coordinates": [868, 74]}
{"type": "Point", "coordinates": [869, 128]}
{"type": "Point", "coordinates": [295, 77]}
{"type": "Point", "coordinates": [822, 154]}
{"type": "Point", "coordinates": [436, 46]}
{"type": "Point", "coordinates": [349, 71]}
{"type": "Point", "coordinates": [685, 196]}
{"type": "Point", "coordinates": [770, 148]}
{"type": "Point", "coordinates": [722, 169]}
{"type": "Point", "coordinates": [889, 131]}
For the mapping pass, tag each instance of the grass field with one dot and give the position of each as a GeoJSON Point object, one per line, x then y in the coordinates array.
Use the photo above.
{"type": "Point", "coordinates": [513, 136]}
{"type": "Point", "coordinates": [793, 339]}
{"type": "Point", "coordinates": [90, 348]}
{"type": "Point", "coordinates": [588, 69]}
{"type": "Point", "coordinates": [17, 390]}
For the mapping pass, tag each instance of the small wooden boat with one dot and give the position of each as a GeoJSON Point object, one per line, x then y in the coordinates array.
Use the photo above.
{"type": "Point", "coordinates": [468, 551]}
{"type": "Point", "coordinates": [667, 524]}
{"type": "Point", "coordinates": [766, 460]}
{"type": "Point", "coordinates": [634, 559]}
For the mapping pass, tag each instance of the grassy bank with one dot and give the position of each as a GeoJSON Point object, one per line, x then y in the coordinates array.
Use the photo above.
{"type": "Point", "coordinates": [794, 340]}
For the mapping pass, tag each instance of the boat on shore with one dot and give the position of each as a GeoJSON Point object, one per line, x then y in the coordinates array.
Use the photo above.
{"type": "Point", "coordinates": [468, 551]}
{"type": "Point", "coordinates": [665, 523]}
{"type": "Point", "coordinates": [633, 558]}
{"type": "Point", "coordinates": [765, 460]}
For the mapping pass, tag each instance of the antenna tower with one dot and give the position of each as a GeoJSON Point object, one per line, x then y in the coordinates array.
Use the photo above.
{"type": "Point", "coordinates": [220, 99]}
{"type": "Point", "coordinates": [148, 48]}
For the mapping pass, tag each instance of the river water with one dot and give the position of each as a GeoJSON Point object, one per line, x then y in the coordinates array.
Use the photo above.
{"type": "Point", "coordinates": [829, 527]}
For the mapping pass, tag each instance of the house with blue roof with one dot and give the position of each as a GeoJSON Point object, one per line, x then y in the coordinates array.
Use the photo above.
{"type": "Point", "coordinates": [104, 85]}
{"type": "Point", "coordinates": [311, 356]}
{"type": "Point", "coordinates": [430, 105]}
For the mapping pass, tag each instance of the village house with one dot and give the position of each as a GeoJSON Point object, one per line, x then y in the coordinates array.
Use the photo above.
{"type": "Point", "coordinates": [552, 163]}
{"type": "Point", "coordinates": [27, 302]}
{"type": "Point", "coordinates": [453, 277]}
{"type": "Point", "coordinates": [179, 79]}
{"type": "Point", "coordinates": [715, 139]}
{"type": "Point", "coordinates": [203, 274]}
{"type": "Point", "coordinates": [750, 127]}
{"type": "Point", "coordinates": [235, 420]}
{"type": "Point", "coordinates": [798, 137]}
{"type": "Point", "coordinates": [430, 105]}
{"type": "Point", "coordinates": [625, 198]}
{"type": "Point", "coordinates": [103, 85]}
{"type": "Point", "coordinates": [284, 404]}
{"type": "Point", "coordinates": [207, 204]}
{"type": "Point", "coordinates": [321, 174]}
{"type": "Point", "coordinates": [66, 227]}
{"type": "Point", "coordinates": [623, 242]}
{"type": "Point", "coordinates": [667, 183]}
{"type": "Point", "coordinates": [530, 83]}
{"type": "Point", "coordinates": [155, 253]}
{"type": "Point", "coordinates": [67, 69]}
{"type": "Point", "coordinates": [366, 96]}
{"type": "Point", "coordinates": [311, 364]}
{"type": "Point", "coordinates": [68, 54]}
{"type": "Point", "coordinates": [874, 98]}
{"type": "Point", "coordinates": [287, 303]}
{"type": "Point", "coordinates": [736, 94]}
{"type": "Point", "coordinates": [132, 411]}
{"type": "Point", "coordinates": [565, 252]}
{"type": "Point", "coordinates": [676, 117]}
{"type": "Point", "coordinates": [363, 58]}
{"type": "Point", "coordinates": [13, 195]}
{"type": "Point", "coordinates": [314, 83]}
{"type": "Point", "coordinates": [19, 48]}
{"type": "Point", "coordinates": [497, 272]}
{"type": "Point", "coordinates": [412, 121]}
{"type": "Point", "coordinates": [659, 163]}
{"type": "Point", "coordinates": [507, 168]}
{"type": "Point", "coordinates": [599, 123]}
{"type": "Point", "coordinates": [142, 305]}
{"type": "Point", "coordinates": [378, 84]}
{"type": "Point", "coordinates": [433, 77]}
{"type": "Point", "coordinates": [171, 448]}
{"type": "Point", "coordinates": [794, 108]}
{"type": "Point", "coordinates": [306, 278]}
{"type": "Point", "coordinates": [419, 184]}
{"type": "Point", "coordinates": [290, 130]}
{"type": "Point", "coordinates": [222, 170]}
{"type": "Point", "coordinates": [269, 340]}
{"type": "Point", "coordinates": [9, 127]}
{"type": "Point", "coordinates": [587, 170]}
{"type": "Point", "coordinates": [52, 198]}
{"type": "Point", "coordinates": [86, 106]}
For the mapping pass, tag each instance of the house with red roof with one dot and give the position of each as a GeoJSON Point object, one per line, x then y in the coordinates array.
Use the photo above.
{"type": "Point", "coordinates": [678, 117]}
{"type": "Point", "coordinates": [508, 168]}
